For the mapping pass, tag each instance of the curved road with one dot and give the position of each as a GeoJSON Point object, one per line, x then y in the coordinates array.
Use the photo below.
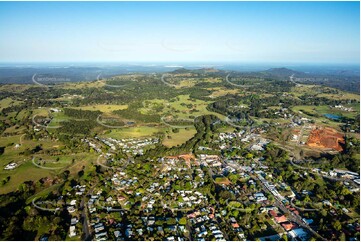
{"type": "Point", "coordinates": [178, 126]}
{"type": "Point", "coordinates": [238, 85]}
{"type": "Point", "coordinates": [44, 209]}
{"type": "Point", "coordinates": [46, 168]}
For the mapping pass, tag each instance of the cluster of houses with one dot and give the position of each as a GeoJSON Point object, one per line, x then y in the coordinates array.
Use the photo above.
{"type": "Point", "coordinates": [72, 228]}
{"type": "Point", "coordinates": [121, 181]}
{"type": "Point", "coordinates": [92, 145]}
{"type": "Point", "coordinates": [204, 224]}
{"type": "Point", "coordinates": [338, 173]}
{"type": "Point", "coordinates": [72, 206]}
{"type": "Point", "coordinates": [131, 146]}
{"type": "Point", "coordinates": [210, 160]}
{"type": "Point", "coordinates": [292, 228]}
{"type": "Point", "coordinates": [343, 108]}
{"type": "Point", "coordinates": [259, 197]}
{"type": "Point", "coordinates": [190, 198]}
{"type": "Point", "coordinates": [43, 122]}
{"type": "Point", "coordinates": [283, 113]}
{"type": "Point", "coordinates": [258, 143]}
{"type": "Point", "coordinates": [79, 190]}
{"type": "Point", "coordinates": [236, 228]}
{"type": "Point", "coordinates": [230, 135]}
{"type": "Point", "coordinates": [100, 233]}
{"type": "Point", "coordinates": [270, 186]}
{"type": "Point", "coordinates": [297, 121]}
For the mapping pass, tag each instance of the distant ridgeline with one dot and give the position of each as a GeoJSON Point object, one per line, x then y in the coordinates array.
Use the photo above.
{"type": "Point", "coordinates": [344, 80]}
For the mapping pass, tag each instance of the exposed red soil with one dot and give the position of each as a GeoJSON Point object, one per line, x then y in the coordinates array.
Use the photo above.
{"type": "Point", "coordinates": [326, 138]}
{"type": "Point", "coordinates": [186, 157]}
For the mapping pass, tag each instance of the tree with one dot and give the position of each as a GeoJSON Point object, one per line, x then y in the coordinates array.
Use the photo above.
{"type": "Point", "coordinates": [337, 225]}
{"type": "Point", "coordinates": [183, 221]}
{"type": "Point", "coordinates": [342, 237]}
{"type": "Point", "coordinates": [284, 237]}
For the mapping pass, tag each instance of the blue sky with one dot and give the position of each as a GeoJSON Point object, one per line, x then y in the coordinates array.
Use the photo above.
{"type": "Point", "coordinates": [267, 32]}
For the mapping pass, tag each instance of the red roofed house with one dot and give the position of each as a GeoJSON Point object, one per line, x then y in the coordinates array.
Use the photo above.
{"type": "Point", "coordinates": [235, 225]}
{"type": "Point", "coordinates": [281, 219]}
{"type": "Point", "coordinates": [273, 213]}
{"type": "Point", "coordinates": [289, 226]}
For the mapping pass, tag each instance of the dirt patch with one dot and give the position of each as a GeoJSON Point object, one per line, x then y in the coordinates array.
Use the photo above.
{"type": "Point", "coordinates": [186, 157]}
{"type": "Point", "coordinates": [326, 138]}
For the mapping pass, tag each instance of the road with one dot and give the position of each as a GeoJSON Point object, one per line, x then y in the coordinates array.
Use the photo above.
{"type": "Point", "coordinates": [165, 82]}
{"type": "Point", "coordinates": [84, 214]}
{"type": "Point", "coordinates": [291, 80]}
{"type": "Point", "coordinates": [44, 209]}
{"type": "Point", "coordinates": [210, 174]}
{"type": "Point", "coordinates": [300, 135]}
{"type": "Point", "coordinates": [335, 179]}
{"type": "Point", "coordinates": [238, 85]}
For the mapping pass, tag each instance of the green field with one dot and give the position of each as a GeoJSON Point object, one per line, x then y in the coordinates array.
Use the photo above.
{"type": "Point", "coordinates": [57, 119]}
{"type": "Point", "coordinates": [77, 85]}
{"type": "Point", "coordinates": [320, 91]}
{"type": "Point", "coordinates": [103, 108]}
{"type": "Point", "coordinates": [178, 107]}
{"type": "Point", "coordinates": [222, 91]}
{"type": "Point", "coordinates": [132, 132]}
{"type": "Point", "coordinates": [321, 110]}
{"type": "Point", "coordinates": [8, 102]}
{"type": "Point", "coordinates": [179, 138]}
{"type": "Point", "coordinates": [25, 170]}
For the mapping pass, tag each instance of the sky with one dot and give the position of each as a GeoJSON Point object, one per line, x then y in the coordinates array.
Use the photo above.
{"type": "Point", "coordinates": [247, 32]}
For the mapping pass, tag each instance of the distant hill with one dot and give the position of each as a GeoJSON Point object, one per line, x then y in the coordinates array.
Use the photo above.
{"type": "Point", "coordinates": [196, 71]}
{"type": "Point", "coordinates": [181, 71]}
{"type": "Point", "coordinates": [282, 72]}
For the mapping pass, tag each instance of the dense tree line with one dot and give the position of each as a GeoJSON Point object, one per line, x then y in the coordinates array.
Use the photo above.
{"type": "Point", "coordinates": [81, 114]}
{"type": "Point", "coordinates": [132, 113]}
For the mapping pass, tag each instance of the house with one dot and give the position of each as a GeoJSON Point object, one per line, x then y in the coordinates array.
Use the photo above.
{"type": "Point", "coordinates": [128, 232]}
{"type": "Point", "coordinates": [72, 231]}
{"type": "Point", "coordinates": [281, 219]}
{"type": "Point", "coordinates": [73, 221]}
{"type": "Point", "coordinates": [98, 229]}
{"type": "Point", "coordinates": [117, 234]}
{"type": "Point", "coordinates": [101, 236]}
{"type": "Point", "coordinates": [345, 210]}
{"type": "Point", "coordinates": [233, 220]}
{"type": "Point", "coordinates": [160, 229]}
{"type": "Point", "coordinates": [109, 199]}
{"type": "Point", "coordinates": [73, 202]}
{"type": "Point", "coordinates": [235, 225]}
{"type": "Point", "coordinates": [299, 233]}
{"type": "Point", "coordinates": [44, 237]}
{"type": "Point", "coordinates": [326, 202]}
{"type": "Point", "coordinates": [10, 166]}
{"type": "Point", "coordinates": [71, 209]}
{"type": "Point", "coordinates": [307, 221]}
{"type": "Point", "coordinates": [278, 217]}
{"type": "Point", "coordinates": [289, 225]}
